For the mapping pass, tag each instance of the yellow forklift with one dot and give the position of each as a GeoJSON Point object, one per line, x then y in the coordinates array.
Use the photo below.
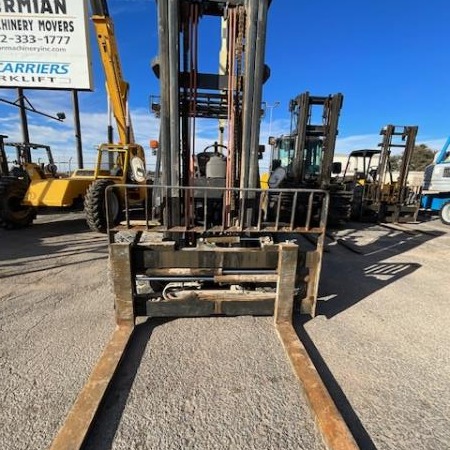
{"type": "Point", "coordinates": [15, 175]}
{"type": "Point", "coordinates": [376, 194]}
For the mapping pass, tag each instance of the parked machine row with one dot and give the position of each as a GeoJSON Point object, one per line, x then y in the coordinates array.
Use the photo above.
{"type": "Point", "coordinates": [304, 158]}
{"type": "Point", "coordinates": [121, 162]}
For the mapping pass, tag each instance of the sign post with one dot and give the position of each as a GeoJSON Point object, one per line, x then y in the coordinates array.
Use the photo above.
{"type": "Point", "coordinates": [76, 118]}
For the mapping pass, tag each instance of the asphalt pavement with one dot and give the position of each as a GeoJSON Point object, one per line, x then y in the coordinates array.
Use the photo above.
{"type": "Point", "coordinates": [380, 342]}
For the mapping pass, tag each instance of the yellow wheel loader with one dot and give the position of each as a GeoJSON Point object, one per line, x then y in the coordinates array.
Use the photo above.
{"type": "Point", "coordinates": [15, 179]}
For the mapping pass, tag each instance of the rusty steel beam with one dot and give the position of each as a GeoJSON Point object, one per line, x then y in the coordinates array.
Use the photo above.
{"type": "Point", "coordinates": [123, 283]}
{"type": "Point", "coordinates": [334, 430]}
{"type": "Point", "coordinates": [246, 278]}
{"type": "Point", "coordinates": [332, 426]}
{"type": "Point", "coordinates": [73, 433]}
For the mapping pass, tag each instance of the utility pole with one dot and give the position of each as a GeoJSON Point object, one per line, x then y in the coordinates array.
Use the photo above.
{"type": "Point", "coordinates": [76, 119]}
{"type": "Point", "coordinates": [24, 123]}
{"type": "Point", "coordinates": [271, 108]}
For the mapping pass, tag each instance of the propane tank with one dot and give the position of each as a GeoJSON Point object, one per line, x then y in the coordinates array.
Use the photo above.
{"type": "Point", "coordinates": [216, 167]}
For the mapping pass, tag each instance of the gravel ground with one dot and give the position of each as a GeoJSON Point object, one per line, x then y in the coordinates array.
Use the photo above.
{"type": "Point", "coordinates": [201, 383]}
{"type": "Point", "coordinates": [55, 318]}
{"type": "Point", "coordinates": [382, 335]}
{"type": "Point", "coordinates": [209, 383]}
{"type": "Point", "coordinates": [380, 342]}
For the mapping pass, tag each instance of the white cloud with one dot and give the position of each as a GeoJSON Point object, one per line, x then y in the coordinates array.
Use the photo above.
{"type": "Point", "coordinates": [435, 144]}
{"type": "Point", "coordinates": [345, 145]}
{"type": "Point", "coordinates": [61, 136]}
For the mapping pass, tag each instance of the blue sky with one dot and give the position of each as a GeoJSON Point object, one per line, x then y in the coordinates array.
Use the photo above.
{"type": "Point", "coordinates": [389, 58]}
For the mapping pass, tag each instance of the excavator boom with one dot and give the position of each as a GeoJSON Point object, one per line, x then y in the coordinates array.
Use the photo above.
{"type": "Point", "coordinates": [117, 87]}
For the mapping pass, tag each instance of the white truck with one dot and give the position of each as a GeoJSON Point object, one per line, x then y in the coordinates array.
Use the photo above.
{"type": "Point", "coordinates": [436, 185]}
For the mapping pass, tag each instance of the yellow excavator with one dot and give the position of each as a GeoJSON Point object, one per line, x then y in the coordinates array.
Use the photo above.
{"type": "Point", "coordinates": [123, 162]}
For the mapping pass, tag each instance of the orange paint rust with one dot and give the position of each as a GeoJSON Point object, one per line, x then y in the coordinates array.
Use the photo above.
{"type": "Point", "coordinates": [332, 426]}
{"type": "Point", "coordinates": [78, 422]}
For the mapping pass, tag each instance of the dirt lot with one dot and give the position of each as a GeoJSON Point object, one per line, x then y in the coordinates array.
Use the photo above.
{"type": "Point", "coordinates": [380, 341]}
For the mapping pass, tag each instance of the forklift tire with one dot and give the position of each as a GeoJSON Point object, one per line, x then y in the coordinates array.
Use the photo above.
{"type": "Point", "coordinates": [95, 207]}
{"type": "Point", "coordinates": [12, 213]}
{"type": "Point", "coordinates": [340, 209]}
{"type": "Point", "coordinates": [444, 213]}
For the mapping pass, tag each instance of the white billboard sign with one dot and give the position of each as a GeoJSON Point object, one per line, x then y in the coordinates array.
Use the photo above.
{"type": "Point", "coordinates": [44, 44]}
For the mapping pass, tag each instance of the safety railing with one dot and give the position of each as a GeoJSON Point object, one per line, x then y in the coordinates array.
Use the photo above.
{"type": "Point", "coordinates": [216, 210]}
{"type": "Point", "coordinates": [391, 194]}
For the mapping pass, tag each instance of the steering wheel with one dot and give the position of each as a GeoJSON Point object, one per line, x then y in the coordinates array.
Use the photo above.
{"type": "Point", "coordinates": [214, 146]}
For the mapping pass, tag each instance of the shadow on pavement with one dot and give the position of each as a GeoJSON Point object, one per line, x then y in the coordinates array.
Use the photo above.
{"type": "Point", "coordinates": [352, 420]}
{"type": "Point", "coordinates": [356, 265]}
{"type": "Point", "coordinates": [50, 240]}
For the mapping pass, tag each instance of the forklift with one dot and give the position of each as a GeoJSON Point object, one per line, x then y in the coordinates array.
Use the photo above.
{"type": "Point", "coordinates": [376, 195]}
{"type": "Point", "coordinates": [15, 180]}
{"type": "Point", "coordinates": [205, 246]}
{"type": "Point", "coordinates": [304, 158]}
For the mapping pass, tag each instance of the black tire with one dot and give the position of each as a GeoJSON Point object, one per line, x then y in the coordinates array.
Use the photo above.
{"type": "Point", "coordinates": [444, 213]}
{"type": "Point", "coordinates": [12, 213]}
{"type": "Point", "coordinates": [95, 207]}
{"type": "Point", "coordinates": [340, 209]}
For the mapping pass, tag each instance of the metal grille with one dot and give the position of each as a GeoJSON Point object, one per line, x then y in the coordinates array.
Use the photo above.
{"type": "Point", "coordinates": [260, 210]}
